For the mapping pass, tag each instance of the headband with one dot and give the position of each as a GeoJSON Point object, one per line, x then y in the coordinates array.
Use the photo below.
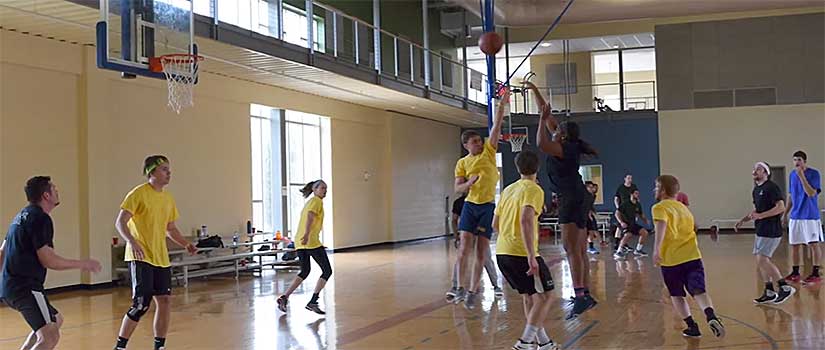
{"type": "Point", "coordinates": [152, 166]}
{"type": "Point", "coordinates": [764, 166]}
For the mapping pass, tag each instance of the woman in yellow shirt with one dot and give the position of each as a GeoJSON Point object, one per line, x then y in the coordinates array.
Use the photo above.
{"type": "Point", "coordinates": [308, 244]}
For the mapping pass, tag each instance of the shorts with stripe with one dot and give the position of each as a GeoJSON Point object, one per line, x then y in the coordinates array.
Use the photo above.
{"type": "Point", "coordinates": [34, 306]}
{"type": "Point", "coordinates": [514, 269]}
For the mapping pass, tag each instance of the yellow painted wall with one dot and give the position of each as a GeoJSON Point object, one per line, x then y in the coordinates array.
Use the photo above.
{"type": "Point", "coordinates": [712, 151]}
{"type": "Point", "coordinates": [96, 129]}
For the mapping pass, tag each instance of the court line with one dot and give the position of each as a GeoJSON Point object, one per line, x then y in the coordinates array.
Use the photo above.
{"type": "Point", "coordinates": [579, 335]}
{"type": "Point", "coordinates": [392, 321]}
{"type": "Point", "coordinates": [765, 335]}
{"type": "Point", "coordinates": [363, 332]}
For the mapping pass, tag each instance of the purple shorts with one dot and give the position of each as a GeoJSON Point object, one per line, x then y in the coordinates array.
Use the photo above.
{"type": "Point", "coordinates": [688, 276]}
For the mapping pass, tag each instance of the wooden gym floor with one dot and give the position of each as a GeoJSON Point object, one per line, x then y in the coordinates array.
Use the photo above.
{"type": "Point", "coordinates": [392, 299]}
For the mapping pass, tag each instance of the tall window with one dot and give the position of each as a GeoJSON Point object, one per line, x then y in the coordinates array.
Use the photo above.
{"type": "Point", "coordinates": [267, 207]}
{"type": "Point", "coordinates": [307, 154]}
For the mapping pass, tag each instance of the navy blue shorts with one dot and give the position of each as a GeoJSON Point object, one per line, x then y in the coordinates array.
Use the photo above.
{"type": "Point", "coordinates": [688, 276]}
{"type": "Point", "coordinates": [477, 219]}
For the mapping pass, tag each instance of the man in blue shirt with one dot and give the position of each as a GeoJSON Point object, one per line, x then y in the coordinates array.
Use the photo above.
{"type": "Point", "coordinates": [805, 226]}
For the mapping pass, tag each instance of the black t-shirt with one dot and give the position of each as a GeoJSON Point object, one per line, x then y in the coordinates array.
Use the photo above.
{"type": "Point", "coordinates": [765, 197]}
{"type": "Point", "coordinates": [30, 230]}
{"type": "Point", "coordinates": [624, 192]}
{"type": "Point", "coordinates": [458, 204]}
{"type": "Point", "coordinates": [629, 211]}
{"type": "Point", "coordinates": [565, 179]}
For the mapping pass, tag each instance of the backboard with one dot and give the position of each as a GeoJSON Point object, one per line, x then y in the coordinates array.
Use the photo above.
{"type": "Point", "coordinates": [133, 32]}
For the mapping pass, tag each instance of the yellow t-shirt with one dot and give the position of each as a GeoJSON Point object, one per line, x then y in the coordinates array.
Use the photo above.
{"type": "Point", "coordinates": [314, 205]}
{"type": "Point", "coordinates": [522, 193]}
{"type": "Point", "coordinates": [679, 243]}
{"type": "Point", "coordinates": [151, 212]}
{"type": "Point", "coordinates": [483, 165]}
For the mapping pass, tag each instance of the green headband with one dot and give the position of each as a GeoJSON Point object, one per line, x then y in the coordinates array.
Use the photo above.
{"type": "Point", "coordinates": [152, 166]}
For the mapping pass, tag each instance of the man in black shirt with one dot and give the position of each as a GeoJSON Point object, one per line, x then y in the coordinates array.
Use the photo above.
{"type": "Point", "coordinates": [623, 194]}
{"type": "Point", "coordinates": [627, 216]}
{"type": "Point", "coordinates": [25, 254]}
{"type": "Point", "coordinates": [769, 206]}
{"type": "Point", "coordinates": [592, 225]}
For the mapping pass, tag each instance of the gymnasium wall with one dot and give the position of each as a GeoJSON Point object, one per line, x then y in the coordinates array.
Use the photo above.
{"type": "Point", "coordinates": [91, 130]}
{"type": "Point", "coordinates": [713, 150]}
{"type": "Point", "coordinates": [720, 63]}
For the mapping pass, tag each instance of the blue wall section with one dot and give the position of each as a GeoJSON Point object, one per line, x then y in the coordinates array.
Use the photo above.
{"type": "Point", "coordinates": [627, 142]}
{"type": "Point", "coordinates": [627, 145]}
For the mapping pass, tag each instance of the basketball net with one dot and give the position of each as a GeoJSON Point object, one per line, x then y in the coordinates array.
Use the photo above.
{"type": "Point", "coordinates": [181, 71]}
{"type": "Point", "coordinates": [516, 141]}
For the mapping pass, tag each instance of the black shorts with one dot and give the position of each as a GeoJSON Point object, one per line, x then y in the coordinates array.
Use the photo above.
{"type": "Point", "coordinates": [35, 308]}
{"type": "Point", "coordinates": [633, 228]}
{"type": "Point", "coordinates": [591, 225]}
{"type": "Point", "coordinates": [149, 280]}
{"type": "Point", "coordinates": [573, 209]}
{"type": "Point", "coordinates": [514, 269]}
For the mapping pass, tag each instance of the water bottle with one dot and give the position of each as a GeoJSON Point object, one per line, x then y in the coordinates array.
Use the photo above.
{"type": "Point", "coordinates": [204, 233]}
{"type": "Point", "coordinates": [235, 238]}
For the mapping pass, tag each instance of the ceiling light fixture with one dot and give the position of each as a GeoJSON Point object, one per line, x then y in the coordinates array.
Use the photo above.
{"type": "Point", "coordinates": [546, 44]}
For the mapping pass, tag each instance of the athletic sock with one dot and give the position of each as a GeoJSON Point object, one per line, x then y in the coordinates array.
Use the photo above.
{"type": "Point", "coordinates": [795, 270]}
{"type": "Point", "coordinates": [121, 343]}
{"type": "Point", "coordinates": [314, 299]}
{"type": "Point", "coordinates": [639, 246]}
{"type": "Point", "coordinates": [690, 322]}
{"type": "Point", "coordinates": [542, 337]}
{"type": "Point", "coordinates": [529, 333]}
{"type": "Point", "coordinates": [590, 244]}
{"type": "Point", "coordinates": [816, 271]}
{"type": "Point", "coordinates": [160, 343]}
{"type": "Point", "coordinates": [586, 291]}
{"type": "Point", "coordinates": [709, 313]}
{"type": "Point", "coordinates": [769, 286]}
{"type": "Point", "coordinates": [579, 292]}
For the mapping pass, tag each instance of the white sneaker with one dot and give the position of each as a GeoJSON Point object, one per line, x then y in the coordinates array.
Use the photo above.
{"type": "Point", "coordinates": [549, 346]}
{"type": "Point", "coordinates": [521, 345]}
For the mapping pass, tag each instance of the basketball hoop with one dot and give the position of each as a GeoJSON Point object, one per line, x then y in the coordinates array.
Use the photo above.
{"type": "Point", "coordinates": [516, 141]}
{"type": "Point", "coordinates": [181, 71]}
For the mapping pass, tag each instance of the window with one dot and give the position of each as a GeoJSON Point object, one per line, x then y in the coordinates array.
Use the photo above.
{"type": "Point", "coordinates": [295, 28]}
{"type": "Point", "coordinates": [267, 207]}
{"type": "Point", "coordinates": [593, 173]}
{"type": "Point", "coordinates": [308, 159]}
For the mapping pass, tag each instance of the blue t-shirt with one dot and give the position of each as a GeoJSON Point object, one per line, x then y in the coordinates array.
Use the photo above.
{"type": "Point", "coordinates": [804, 206]}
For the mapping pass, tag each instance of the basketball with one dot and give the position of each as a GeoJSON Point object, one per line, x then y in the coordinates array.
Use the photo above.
{"type": "Point", "coordinates": [490, 43]}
